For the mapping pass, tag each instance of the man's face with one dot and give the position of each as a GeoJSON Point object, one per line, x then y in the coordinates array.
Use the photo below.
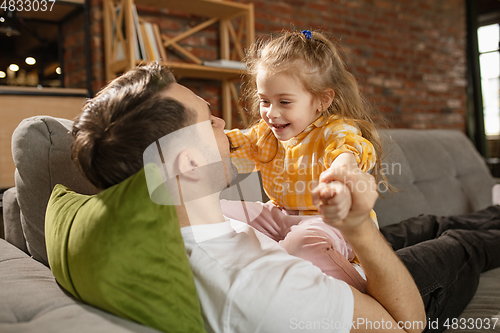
{"type": "Point", "coordinates": [193, 102]}
{"type": "Point", "coordinates": [221, 174]}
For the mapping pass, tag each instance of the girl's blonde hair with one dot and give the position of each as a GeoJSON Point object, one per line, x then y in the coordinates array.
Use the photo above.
{"type": "Point", "coordinates": [316, 62]}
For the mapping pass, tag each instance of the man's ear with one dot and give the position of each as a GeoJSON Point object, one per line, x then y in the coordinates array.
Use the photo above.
{"type": "Point", "coordinates": [327, 98]}
{"type": "Point", "coordinates": [187, 164]}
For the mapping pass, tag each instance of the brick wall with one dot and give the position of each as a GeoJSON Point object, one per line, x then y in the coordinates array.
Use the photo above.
{"type": "Point", "coordinates": [75, 74]}
{"type": "Point", "coordinates": [74, 53]}
{"type": "Point", "coordinates": [409, 56]}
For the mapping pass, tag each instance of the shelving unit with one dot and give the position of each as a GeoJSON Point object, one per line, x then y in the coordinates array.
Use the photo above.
{"type": "Point", "coordinates": [223, 12]}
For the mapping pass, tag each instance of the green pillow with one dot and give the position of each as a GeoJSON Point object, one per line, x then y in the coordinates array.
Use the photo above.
{"type": "Point", "coordinates": [119, 251]}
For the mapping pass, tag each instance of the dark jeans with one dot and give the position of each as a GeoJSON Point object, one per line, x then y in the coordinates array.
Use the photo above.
{"type": "Point", "coordinates": [446, 255]}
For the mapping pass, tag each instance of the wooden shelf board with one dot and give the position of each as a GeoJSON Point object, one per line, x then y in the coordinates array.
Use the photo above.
{"type": "Point", "coordinates": [210, 8]}
{"type": "Point", "coordinates": [204, 72]}
{"type": "Point", "coordinates": [15, 90]}
{"type": "Point", "coordinates": [77, 2]}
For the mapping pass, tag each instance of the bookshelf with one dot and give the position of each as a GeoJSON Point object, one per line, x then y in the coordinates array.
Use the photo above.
{"type": "Point", "coordinates": [119, 31]}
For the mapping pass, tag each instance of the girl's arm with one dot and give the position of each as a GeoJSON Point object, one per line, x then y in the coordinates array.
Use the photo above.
{"type": "Point", "coordinates": [346, 158]}
{"type": "Point", "coordinates": [243, 157]}
{"type": "Point", "coordinates": [342, 138]}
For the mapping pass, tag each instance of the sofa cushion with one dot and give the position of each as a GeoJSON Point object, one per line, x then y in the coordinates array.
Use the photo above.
{"type": "Point", "coordinates": [41, 152]}
{"type": "Point", "coordinates": [32, 301]}
{"type": "Point", "coordinates": [484, 309]}
{"type": "Point", "coordinates": [437, 172]}
{"type": "Point", "coordinates": [121, 252]}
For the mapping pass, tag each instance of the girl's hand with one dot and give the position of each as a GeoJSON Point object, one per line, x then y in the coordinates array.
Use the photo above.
{"type": "Point", "coordinates": [333, 201]}
{"type": "Point", "coordinates": [363, 194]}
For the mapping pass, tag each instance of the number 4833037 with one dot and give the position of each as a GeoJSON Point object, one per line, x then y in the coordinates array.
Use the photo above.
{"type": "Point", "coordinates": [27, 5]}
{"type": "Point", "coordinates": [471, 323]}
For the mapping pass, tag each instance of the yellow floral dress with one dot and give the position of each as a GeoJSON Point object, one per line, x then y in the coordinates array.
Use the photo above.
{"type": "Point", "coordinates": [290, 170]}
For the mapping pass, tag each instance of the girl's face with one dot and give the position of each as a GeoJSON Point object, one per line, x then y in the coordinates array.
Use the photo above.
{"type": "Point", "coordinates": [285, 105]}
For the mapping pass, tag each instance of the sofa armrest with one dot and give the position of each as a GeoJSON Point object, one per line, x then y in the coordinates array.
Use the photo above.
{"type": "Point", "coordinates": [13, 230]}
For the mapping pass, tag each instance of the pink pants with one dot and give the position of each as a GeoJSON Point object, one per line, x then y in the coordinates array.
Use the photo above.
{"type": "Point", "coordinates": [306, 237]}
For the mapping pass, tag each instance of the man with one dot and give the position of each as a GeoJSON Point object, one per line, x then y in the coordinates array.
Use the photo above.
{"type": "Point", "coordinates": [245, 282]}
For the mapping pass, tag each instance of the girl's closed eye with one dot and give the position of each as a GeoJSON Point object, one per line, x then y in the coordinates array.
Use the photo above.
{"type": "Point", "coordinates": [286, 102]}
{"type": "Point", "coordinates": [264, 102]}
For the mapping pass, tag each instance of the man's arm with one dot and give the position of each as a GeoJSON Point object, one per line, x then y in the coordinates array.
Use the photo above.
{"type": "Point", "coordinates": [392, 293]}
{"type": "Point", "coordinates": [393, 299]}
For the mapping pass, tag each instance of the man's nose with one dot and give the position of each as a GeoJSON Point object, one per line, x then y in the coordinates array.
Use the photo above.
{"type": "Point", "coordinates": [219, 122]}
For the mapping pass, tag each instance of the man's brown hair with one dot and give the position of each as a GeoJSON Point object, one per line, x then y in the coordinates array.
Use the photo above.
{"type": "Point", "coordinates": [122, 120]}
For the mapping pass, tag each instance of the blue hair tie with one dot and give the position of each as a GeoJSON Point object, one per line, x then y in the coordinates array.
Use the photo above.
{"type": "Point", "coordinates": [306, 33]}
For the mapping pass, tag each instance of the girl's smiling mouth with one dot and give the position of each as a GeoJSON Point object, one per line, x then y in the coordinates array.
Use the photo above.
{"type": "Point", "coordinates": [280, 126]}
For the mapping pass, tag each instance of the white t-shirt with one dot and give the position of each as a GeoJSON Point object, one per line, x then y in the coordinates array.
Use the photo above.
{"type": "Point", "coordinates": [246, 282]}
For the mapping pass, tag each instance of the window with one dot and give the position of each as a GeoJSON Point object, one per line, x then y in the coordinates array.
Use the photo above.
{"type": "Point", "coordinates": [29, 55]}
{"type": "Point", "coordinates": [489, 62]}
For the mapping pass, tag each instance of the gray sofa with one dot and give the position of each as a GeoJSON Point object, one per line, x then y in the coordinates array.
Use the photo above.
{"type": "Point", "coordinates": [436, 172]}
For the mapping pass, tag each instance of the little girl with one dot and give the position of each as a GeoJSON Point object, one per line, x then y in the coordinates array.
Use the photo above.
{"type": "Point", "coordinates": [312, 118]}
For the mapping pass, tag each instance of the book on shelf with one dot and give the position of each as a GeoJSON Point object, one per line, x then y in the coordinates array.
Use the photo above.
{"type": "Point", "coordinates": [223, 63]}
{"type": "Point", "coordinates": [136, 37]}
{"type": "Point", "coordinates": [147, 46]}
{"type": "Point", "coordinates": [159, 42]}
{"type": "Point", "coordinates": [152, 41]}
{"type": "Point", "coordinates": [146, 38]}
{"type": "Point", "coordinates": [140, 49]}
{"type": "Point", "coordinates": [154, 47]}
{"type": "Point", "coordinates": [119, 51]}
